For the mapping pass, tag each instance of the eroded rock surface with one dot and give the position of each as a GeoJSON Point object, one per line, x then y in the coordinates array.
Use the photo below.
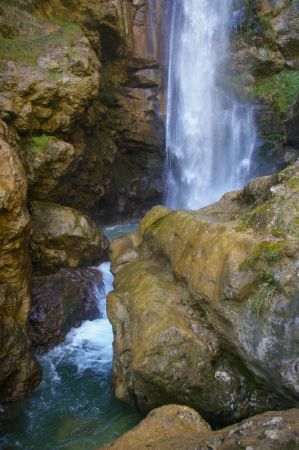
{"type": "Point", "coordinates": [63, 237]}
{"type": "Point", "coordinates": [62, 301]}
{"type": "Point", "coordinates": [205, 305]}
{"type": "Point", "coordinates": [264, 64]}
{"type": "Point", "coordinates": [174, 427]}
{"type": "Point", "coordinates": [19, 372]}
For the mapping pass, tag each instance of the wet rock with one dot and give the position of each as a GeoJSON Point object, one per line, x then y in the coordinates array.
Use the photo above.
{"type": "Point", "coordinates": [205, 304]}
{"type": "Point", "coordinates": [63, 237]}
{"type": "Point", "coordinates": [266, 45]}
{"type": "Point", "coordinates": [62, 301]}
{"type": "Point", "coordinates": [175, 427]}
{"type": "Point", "coordinates": [19, 372]}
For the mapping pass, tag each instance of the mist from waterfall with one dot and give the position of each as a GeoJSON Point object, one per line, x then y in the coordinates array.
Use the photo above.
{"type": "Point", "coordinates": [210, 135]}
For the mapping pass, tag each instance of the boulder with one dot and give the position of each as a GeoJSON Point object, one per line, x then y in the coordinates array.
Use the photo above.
{"type": "Point", "coordinates": [47, 161]}
{"type": "Point", "coordinates": [174, 427]}
{"type": "Point", "coordinates": [63, 237]}
{"type": "Point", "coordinates": [62, 301]}
{"type": "Point", "coordinates": [19, 372]}
{"type": "Point", "coordinates": [205, 304]}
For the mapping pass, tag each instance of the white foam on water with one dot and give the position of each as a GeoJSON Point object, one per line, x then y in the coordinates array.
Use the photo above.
{"type": "Point", "coordinates": [90, 345]}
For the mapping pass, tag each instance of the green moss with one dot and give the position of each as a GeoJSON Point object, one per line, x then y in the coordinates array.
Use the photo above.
{"type": "Point", "coordinates": [293, 183]}
{"type": "Point", "coordinates": [34, 37]}
{"type": "Point", "coordinates": [55, 75]}
{"type": "Point", "coordinates": [279, 89]}
{"type": "Point", "coordinates": [270, 252]}
{"type": "Point", "coordinates": [38, 143]}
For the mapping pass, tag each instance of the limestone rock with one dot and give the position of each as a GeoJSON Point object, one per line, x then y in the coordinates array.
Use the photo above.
{"type": "Point", "coordinates": [286, 25]}
{"type": "Point", "coordinates": [266, 45]}
{"type": "Point", "coordinates": [47, 160]}
{"type": "Point", "coordinates": [63, 237]}
{"type": "Point", "coordinates": [62, 301]}
{"type": "Point", "coordinates": [205, 304]}
{"type": "Point", "coordinates": [175, 427]}
{"type": "Point", "coordinates": [19, 372]}
{"type": "Point", "coordinates": [49, 74]}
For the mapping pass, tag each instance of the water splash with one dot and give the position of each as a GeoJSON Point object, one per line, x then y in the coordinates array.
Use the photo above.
{"type": "Point", "coordinates": [210, 135]}
{"type": "Point", "coordinates": [74, 406]}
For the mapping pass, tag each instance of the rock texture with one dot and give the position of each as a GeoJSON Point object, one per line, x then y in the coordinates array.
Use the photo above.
{"type": "Point", "coordinates": [265, 52]}
{"type": "Point", "coordinates": [19, 372]}
{"type": "Point", "coordinates": [47, 161]}
{"type": "Point", "coordinates": [80, 104]}
{"type": "Point", "coordinates": [175, 427]}
{"type": "Point", "coordinates": [84, 98]}
{"type": "Point", "coordinates": [62, 301]}
{"type": "Point", "coordinates": [63, 237]}
{"type": "Point", "coordinates": [205, 305]}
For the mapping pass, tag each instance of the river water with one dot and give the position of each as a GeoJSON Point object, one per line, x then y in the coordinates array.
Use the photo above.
{"type": "Point", "coordinates": [74, 407]}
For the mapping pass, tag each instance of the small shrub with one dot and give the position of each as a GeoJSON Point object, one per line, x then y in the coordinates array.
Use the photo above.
{"type": "Point", "coordinates": [260, 301]}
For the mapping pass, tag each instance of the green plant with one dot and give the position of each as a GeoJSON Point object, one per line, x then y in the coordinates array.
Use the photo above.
{"type": "Point", "coordinates": [260, 301]}
{"type": "Point", "coordinates": [272, 255]}
{"type": "Point", "coordinates": [33, 36]}
{"type": "Point", "coordinates": [55, 75]}
{"type": "Point", "coordinates": [279, 89]}
{"type": "Point", "coordinates": [38, 143]}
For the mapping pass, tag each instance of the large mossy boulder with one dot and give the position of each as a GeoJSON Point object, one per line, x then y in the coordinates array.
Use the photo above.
{"type": "Point", "coordinates": [19, 372]}
{"type": "Point", "coordinates": [205, 305]}
{"type": "Point", "coordinates": [174, 427]}
{"type": "Point", "coordinates": [62, 301]}
{"type": "Point", "coordinates": [63, 237]}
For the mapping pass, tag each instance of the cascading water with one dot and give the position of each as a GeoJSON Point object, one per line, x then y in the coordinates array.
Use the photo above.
{"type": "Point", "coordinates": [210, 135]}
{"type": "Point", "coordinates": [74, 406]}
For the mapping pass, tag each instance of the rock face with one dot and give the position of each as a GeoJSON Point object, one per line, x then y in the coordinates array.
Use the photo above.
{"type": "Point", "coordinates": [19, 372]}
{"type": "Point", "coordinates": [80, 104]}
{"type": "Point", "coordinates": [85, 101]}
{"type": "Point", "coordinates": [265, 69]}
{"type": "Point", "coordinates": [52, 96]}
{"type": "Point", "coordinates": [60, 302]}
{"type": "Point", "coordinates": [175, 427]}
{"type": "Point", "coordinates": [47, 160]}
{"type": "Point", "coordinates": [205, 305]}
{"type": "Point", "coordinates": [63, 237]}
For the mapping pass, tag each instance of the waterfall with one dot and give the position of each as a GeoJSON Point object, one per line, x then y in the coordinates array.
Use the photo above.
{"type": "Point", "coordinates": [210, 135]}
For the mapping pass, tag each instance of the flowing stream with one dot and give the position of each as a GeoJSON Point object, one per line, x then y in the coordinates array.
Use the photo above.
{"type": "Point", "coordinates": [210, 135]}
{"type": "Point", "coordinates": [74, 407]}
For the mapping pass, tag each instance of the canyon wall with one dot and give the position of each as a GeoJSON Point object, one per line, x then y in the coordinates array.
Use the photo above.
{"type": "Point", "coordinates": [81, 135]}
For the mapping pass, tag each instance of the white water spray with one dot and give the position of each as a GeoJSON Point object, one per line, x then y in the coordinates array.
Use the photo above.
{"type": "Point", "coordinates": [210, 135]}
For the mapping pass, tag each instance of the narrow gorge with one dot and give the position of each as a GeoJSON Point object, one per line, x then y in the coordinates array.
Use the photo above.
{"type": "Point", "coordinates": [149, 224]}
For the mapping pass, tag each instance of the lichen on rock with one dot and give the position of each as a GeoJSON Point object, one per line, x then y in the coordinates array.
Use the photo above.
{"type": "Point", "coordinates": [175, 427]}
{"type": "Point", "coordinates": [63, 237]}
{"type": "Point", "coordinates": [19, 372]}
{"type": "Point", "coordinates": [205, 304]}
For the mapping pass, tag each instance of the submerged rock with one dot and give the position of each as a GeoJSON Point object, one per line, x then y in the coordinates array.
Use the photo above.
{"type": "Point", "coordinates": [205, 305]}
{"type": "Point", "coordinates": [63, 237]}
{"type": "Point", "coordinates": [19, 372]}
{"type": "Point", "coordinates": [174, 427]}
{"type": "Point", "coordinates": [62, 301]}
